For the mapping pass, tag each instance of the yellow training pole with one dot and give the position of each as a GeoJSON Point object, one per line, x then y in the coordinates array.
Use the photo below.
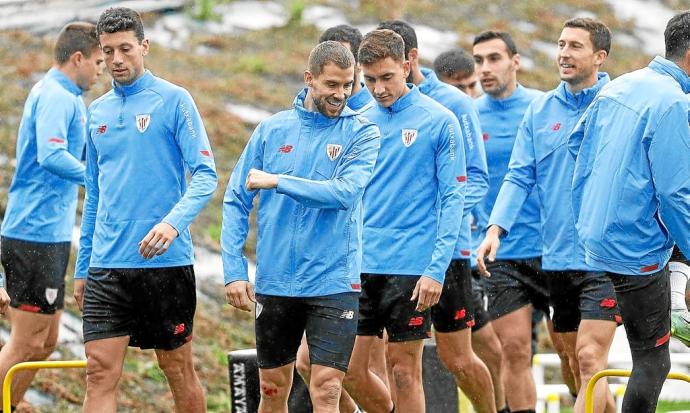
{"type": "Point", "coordinates": [33, 365]}
{"type": "Point", "coordinates": [589, 400]}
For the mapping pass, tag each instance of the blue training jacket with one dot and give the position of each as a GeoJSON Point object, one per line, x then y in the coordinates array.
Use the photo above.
{"type": "Point", "coordinates": [631, 187]}
{"type": "Point", "coordinates": [541, 160]}
{"type": "Point", "coordinates": [413, 203]}
{"type": "Point", "coordinates": [463, 108]}
{"type": "Point", "coordinates": [500, 120]}
{"type": "Point", "coordinates": [42, 198]}
{"type": "Point", "coordinates": [310, 227]}
{"type": "Point", "coordinates": [142, 140]}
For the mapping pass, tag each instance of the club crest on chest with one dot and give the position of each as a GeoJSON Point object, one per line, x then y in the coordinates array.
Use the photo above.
{"type": "Point", "coordinates": [409, 136]}
{"type": "Point", "coordinates": [333, 151]}
{"type": "Point", "coordinates": [143, 122]}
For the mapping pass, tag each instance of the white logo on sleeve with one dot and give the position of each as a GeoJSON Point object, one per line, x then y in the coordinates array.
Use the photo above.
{"type": "Point", "coordinates": [51, 295]}
{"type": "Point", "coordinates": [333, 151]}
{"type": "Point", "coordinates": [409, 136]}
{"type": "Point", "coordinates": [143, 121]}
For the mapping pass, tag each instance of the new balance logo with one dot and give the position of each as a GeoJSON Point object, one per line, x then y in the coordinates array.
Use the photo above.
{"type": "Point", "coordinates": [556, 126]}
{"type": "Point", "coordinates": [416, 321]}
{"type": "Point", "coordinates": [285, 149]}
{"type": "Point", "coordinates": [179, 329]}
{"type": "Point", "coordinates": [348, 314]}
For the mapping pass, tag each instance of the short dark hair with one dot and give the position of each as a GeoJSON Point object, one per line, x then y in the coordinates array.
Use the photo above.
{"type": "Point", "coordinates": [454, 61]}
{"type": "Point", "coordinates": [344, 33]}
{"type": "Point", "coordinates": [329, 52]}
{"type": "Point", "coordinates": [120, 19]}
{"type": "Point", "coordinates": [504, 36]}
{"type": "Point", "coordinates": [75, 37]}
{"type": "Point", "coordinates": [677, 36]}
{"type": "Point", "coordinates": [380, 44]}
{"type": "Point", "coordinates": [405, 31]}
{"type": "Point", "coordinates": [599, 34]}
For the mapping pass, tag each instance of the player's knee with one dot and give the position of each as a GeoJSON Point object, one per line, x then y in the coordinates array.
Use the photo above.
{"type": "Point", "coordinates": [457, 362]}
{"type": "Point", "coordinates": [101, 373]}
{"type": "Point", "coordinates": [326, 390]}
{"type": "Point", "coordinates": [405, 376]}
{"type": "Point", "coordinates": [590, 360]}
{"type": "Point", "coordinates": [517, 353]}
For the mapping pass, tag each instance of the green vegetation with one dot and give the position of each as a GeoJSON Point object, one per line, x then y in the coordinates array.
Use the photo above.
{"type": "Point", "coordinates": [262, 69]}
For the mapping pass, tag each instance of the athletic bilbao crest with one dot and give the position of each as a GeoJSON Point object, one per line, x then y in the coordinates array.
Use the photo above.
{"type": "Point", "coordinates": [51, 295]}
{"type": "Point", "coordinates": [259, 309]}
{"type": "Point", "coordinates": [143, 121]}
{"type": "Point", "coordinates": [409, 136]}
{"type": "Point", "coordinates": [333, 151]}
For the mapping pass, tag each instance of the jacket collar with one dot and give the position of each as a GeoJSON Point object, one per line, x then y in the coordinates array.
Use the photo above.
{"type": "Point", "coordinates": [667, 67]}
{"type": "Point", "coordinates": [430, 81]}
{"type": "Point", "coordinates": [403, 101]}
{"type": "Point", "coordinates": [143, 82]}
{"type": "Point", "coordinates": [64, 81]}
{"type": "Point", "coordinates": [584, 97]}
{"type": "Point", "coordinates": [360, 99]}
{"type": "Point", "coordinates": [506, 103]}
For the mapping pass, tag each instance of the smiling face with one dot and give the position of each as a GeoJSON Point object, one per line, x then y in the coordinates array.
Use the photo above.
{"type": "Point", "coordinates": [124, 55]}
{"type": "Point", "coordinates": [496, 68]}
{"type": "Point", "coordinates": [385, 79]}
{"type": "Point", "coordinates": [329, 90]}
{"type": "Point", "coordinates": [578, 62]}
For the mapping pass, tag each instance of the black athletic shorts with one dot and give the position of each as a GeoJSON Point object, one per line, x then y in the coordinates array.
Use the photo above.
{"type": "Point", "coordinates": [153, 306]}
{"type": "Point", "coordinates": [645, 305]}
{"type": "Point", "coordinates": [580, 295]}
{"type": "Point", "coordinates": [479, 303]}
{"type": "Point", "coordinates": [514, 284]}
{"type": "Point", "coordinates": [385, 304]}
{"type": "Point", "coordinates": [454, 310]}
{"type": "Point", "coordinates": [35, 274]}
{"type": "Point", "coordinates": [330, 323]}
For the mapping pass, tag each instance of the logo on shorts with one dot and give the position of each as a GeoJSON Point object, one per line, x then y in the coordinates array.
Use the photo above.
{"type": "Point", "coordinates": [143, 122]}
{"type": "Point", "coordinates": [179, 329]}
{"type": "Point", "coordinates": [460, 314]}
{"type": "Point", "coordinates": [409, 136]}
{"type": "Point", "coordinates": [51, 295]}
{"type": "Point", "coordinates": [259, 309]}
{"type": "Point", "coordinates": [333, 151]}
{"type": "Point", "coordinates": [348, 314]}
{"type": "Point", "coordinates": [416, 321]}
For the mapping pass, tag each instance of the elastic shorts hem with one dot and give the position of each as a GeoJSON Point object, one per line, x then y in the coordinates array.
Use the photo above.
{"type": "Point", "coordinates": [511, 309]}
{"type": "Point", "coordinates": [408, 336]}
{"type": "Point", "coordinates": [102, 335]}
{"type": "Point", "coordinates": [32, 308]}
{"type": "Point", "coordinates": [330, 365]}
{"type": "Point", "coordinates": [275, 365]}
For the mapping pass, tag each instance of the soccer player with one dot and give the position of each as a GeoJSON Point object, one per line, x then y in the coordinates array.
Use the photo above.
{"type": "Point", "coordinates": [456, 67]}
{"type": "Point", "coordinates": [411, 224]}
{"type": "Point", "coordinates": [631, 199]}
{"type": "Point", "coordinates": [134, 273]}
{"type": "Point", "coordinates": [517, 285]}
{"type": "Point", "coordinates": [453, 317]}
{"type": "Point", "coordinates": [37, 228]}
{"type": "Point", "coordinates": [360, 100]}
{"type": "Point", "coordinates": [309, 166]}
{"type": "Point", "coordinates": [583, 300]}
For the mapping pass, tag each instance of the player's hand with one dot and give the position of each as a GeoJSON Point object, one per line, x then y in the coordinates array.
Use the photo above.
{"type": "Point", "coordinates": [257, 179]}
{"type": "Point", "coordinates": [427, 292]}
{"type": "Point", "coordinates": [79, 292]}
{"type": "Point", "coordinates": [158, 240]}
{"type": "Point", "coordinates": [240, 294]}
{"type": "Point", "coordinates": [488, 248]}
{"type": "Point", "coordinates": [4, 300]}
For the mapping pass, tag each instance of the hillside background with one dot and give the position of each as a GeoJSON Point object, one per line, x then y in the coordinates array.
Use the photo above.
{"type": "Point", "coordinates": [243, 60]}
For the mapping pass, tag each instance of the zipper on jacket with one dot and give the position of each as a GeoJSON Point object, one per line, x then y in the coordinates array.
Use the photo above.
{"type": "Point", "coordinates": [122, 111]}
